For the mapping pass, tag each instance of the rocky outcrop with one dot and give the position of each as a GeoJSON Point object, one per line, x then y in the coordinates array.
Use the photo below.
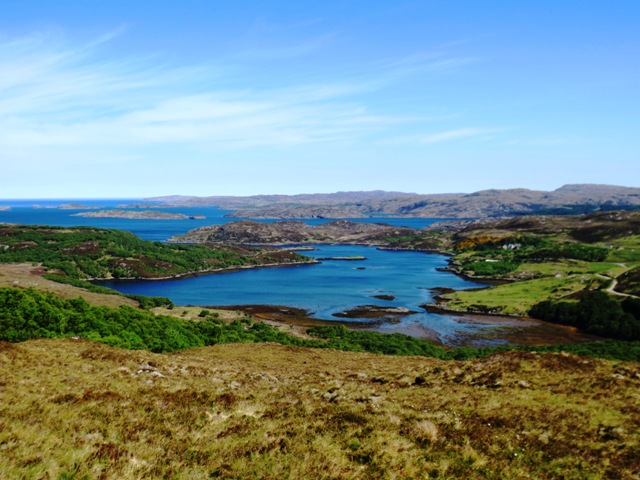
{"type": "Point", "coordinates": [375, 311]}
{"type": "Point", "coordinates": [294, 232]}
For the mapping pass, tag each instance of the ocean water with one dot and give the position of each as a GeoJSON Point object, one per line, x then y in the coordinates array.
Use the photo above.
{"type": "Point", "coordinates": [23, 212]}
{"type": "Point", "coordinates": [323, 289]}
{"type": "Point", "coordinates": [47, 213]}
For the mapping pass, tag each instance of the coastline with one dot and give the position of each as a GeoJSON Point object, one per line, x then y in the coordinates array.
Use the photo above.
{"type": "Point", "coordinates": [503, 330]}
{"type": "Point", "coordinates": [498, 328]}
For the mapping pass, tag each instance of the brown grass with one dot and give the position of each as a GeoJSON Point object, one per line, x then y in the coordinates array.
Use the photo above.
{"type": "Point", "coordinates": [75, 409]}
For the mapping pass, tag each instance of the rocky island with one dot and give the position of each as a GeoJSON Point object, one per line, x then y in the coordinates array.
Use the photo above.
{"type": "Point", "coordinates": [390, 314]}
{"type": "Point", "coordinates": [287, 232]}
{"type": "Point", "coordinates": [78, 206]}
{"type": "Point", "coordinates": [68, 206]}
{"type": "Point", "coordinates": [139, 215]}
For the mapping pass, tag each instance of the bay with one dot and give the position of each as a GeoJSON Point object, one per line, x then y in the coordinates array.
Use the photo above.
{"type": "Point", "coordinates": [330, 287]}
{"type": "Point", "coordinates": [323, 289]}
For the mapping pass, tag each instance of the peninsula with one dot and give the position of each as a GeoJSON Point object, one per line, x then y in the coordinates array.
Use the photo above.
{"type": "Point", "coordinates": [78, 254]}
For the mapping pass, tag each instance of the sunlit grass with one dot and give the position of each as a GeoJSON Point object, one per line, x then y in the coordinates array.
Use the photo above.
{"type": "Point", "coordinates": [571, 267]}
{"type": "Point", "coordinates": [518, 298]}
{"type": "Point", "coordinates": [536, 282]}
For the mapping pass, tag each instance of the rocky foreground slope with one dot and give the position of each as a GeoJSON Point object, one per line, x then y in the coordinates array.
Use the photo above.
{"type": "Point", "coordinates": [76, 409]}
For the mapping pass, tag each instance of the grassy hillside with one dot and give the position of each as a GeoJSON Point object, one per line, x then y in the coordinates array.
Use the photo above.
{"type": "Point", "coordinates": [223, 406]}
{"type": "Point", "coordinates": [76, 409]}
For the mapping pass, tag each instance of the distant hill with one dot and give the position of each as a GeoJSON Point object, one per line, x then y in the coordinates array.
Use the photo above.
{"type": "Point", "coordinates": [568, 199]}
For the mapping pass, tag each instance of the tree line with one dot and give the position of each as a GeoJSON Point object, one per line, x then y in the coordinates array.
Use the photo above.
{"type": "Point", "coordinates": [28, 314]}
{"type": "Point", "coordinates": [595, 313]}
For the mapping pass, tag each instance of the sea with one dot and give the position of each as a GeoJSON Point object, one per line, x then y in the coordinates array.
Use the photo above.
{"type": "Point", "coordinates": [323, 289]}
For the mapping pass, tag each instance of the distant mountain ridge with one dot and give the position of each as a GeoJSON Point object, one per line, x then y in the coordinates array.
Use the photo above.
{"type": "Point", "coordinates": [568, 199]}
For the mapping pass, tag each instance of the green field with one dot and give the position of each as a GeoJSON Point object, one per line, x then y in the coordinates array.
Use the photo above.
{"type": "Point", "coordinates": [542, 279]}
{"type": "Point", "coordinates": [516, 298]}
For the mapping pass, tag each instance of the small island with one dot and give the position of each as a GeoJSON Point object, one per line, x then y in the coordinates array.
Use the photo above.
{"type": "Point", "coordinates": [139, 215]}
{"type": "Point", "coordinates": [68, 206]}
{"type": "Point", "coordinates": [374, 311]}
{"type": "Point", "coordinates": [78, 206]}
{"type": "Point", "coordinates": [384, 297]}
{"type": "Point", "coordinates": [347, 259]}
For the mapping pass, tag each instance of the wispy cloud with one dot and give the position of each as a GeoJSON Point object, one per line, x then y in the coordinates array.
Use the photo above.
{"type": "Point", "coordinates": [454, 135]}
{"type": "Point", "coordinates": [546, 141]}
{"type": "Point", "coordinates": [61, 101]}
{"type": "Point", "coordinates": [429, 63]}
{"type": "Point", "coordinates": [444, 136]}
{"type": "Point", "coordinates": [297, 49]}
{"type": "Point", "coordinates": [54, 94]}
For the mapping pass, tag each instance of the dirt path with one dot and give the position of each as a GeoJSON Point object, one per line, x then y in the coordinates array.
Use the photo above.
{"type": "Point", "coordinates": [614, 283]}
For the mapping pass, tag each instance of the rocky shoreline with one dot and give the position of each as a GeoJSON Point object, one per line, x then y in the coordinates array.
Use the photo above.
{"type": "Point", "coordinates": [506, 330]}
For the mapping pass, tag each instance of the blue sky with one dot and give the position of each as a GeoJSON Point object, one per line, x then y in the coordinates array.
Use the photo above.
{"type": "Point", "coordinates": [133, 99]}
